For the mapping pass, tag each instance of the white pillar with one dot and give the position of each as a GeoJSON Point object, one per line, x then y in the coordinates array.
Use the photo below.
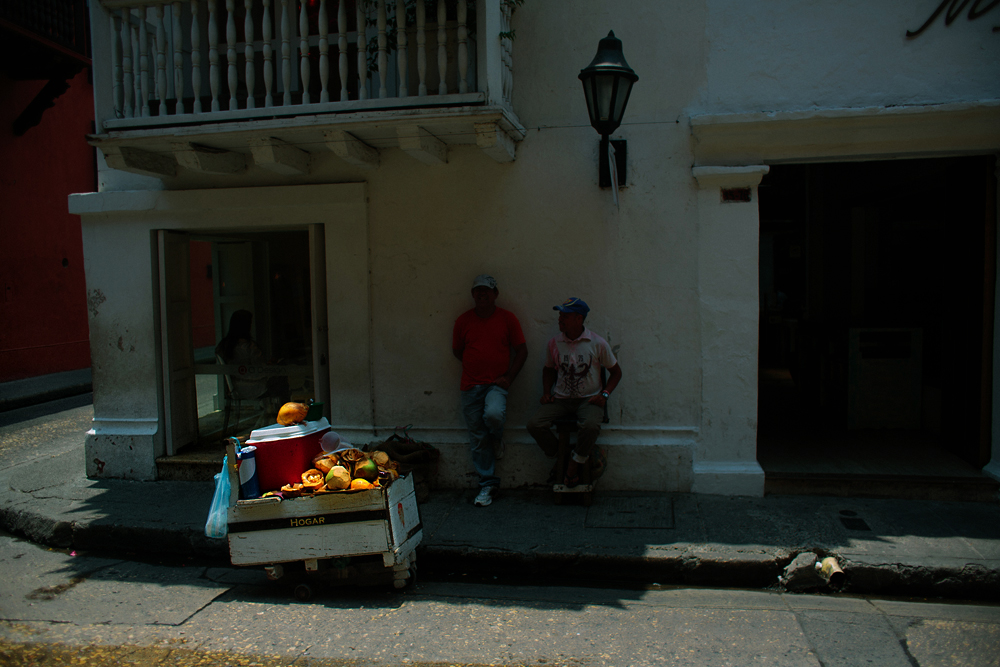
{"type": "Point", "coordinates": [725, 457]}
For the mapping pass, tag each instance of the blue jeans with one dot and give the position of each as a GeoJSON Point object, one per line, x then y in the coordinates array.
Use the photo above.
{"type": "Point", "coordinates": [485, 410]}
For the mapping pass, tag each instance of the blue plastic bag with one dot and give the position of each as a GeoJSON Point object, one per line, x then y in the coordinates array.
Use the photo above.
{"type": "Point", "coordinates": [217, 525]}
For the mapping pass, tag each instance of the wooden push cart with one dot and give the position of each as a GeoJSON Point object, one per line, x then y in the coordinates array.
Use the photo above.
{"type": "Point", "coordinates": [354, 537]}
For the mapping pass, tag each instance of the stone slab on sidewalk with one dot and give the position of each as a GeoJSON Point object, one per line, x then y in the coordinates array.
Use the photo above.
{"type": "Point", "coordinates": [886, 547]}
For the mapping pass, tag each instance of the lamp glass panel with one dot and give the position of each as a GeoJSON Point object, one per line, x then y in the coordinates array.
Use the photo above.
{"type": "Point", "coordinates": [588, 94]}
{"type": "Point", "coordinates": [605, 84]}
{"type": "Point", "coordinates": [621, 99]}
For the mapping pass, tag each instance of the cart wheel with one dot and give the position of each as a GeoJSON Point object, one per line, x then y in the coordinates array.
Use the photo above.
{"type": "Point", "coordinates": [411, 577]}
{"type": "Point", "coordinates": [303, 592]}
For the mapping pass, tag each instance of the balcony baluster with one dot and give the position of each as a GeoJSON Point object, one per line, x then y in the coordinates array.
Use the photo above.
{"type": "Point", "coordinates": [195, 57]}
{"type": "Point", "coordinates": [161, 62]}
{"type": "Point", "coordinates": [304, 52]}
{"type": "Point", "coordinates": [342, 45]}
{"type": "Point", "coordinates": [507, 61]}
{"type": "Point", "coordinates": [213, 55]}
{"type": "Point", "coordinates": [116, 65]}
{"type": "Point", "coordinates": [143, 62]}
{"type": "Point", "coordinates": [128, 74]}
{"type": "Point", "coordinates": [401, 56]}
{"type": "Point", "coordinates": [324, 53]}
{"type": "Point", "coordinates": [362, 53]}
{"type": "Point", "coordinates": [463, 47]}
{"type": "Point", "coordinates": [421, 49]}
{"type": "Point", "coordinates": [286, 55]}
{"type": "Point", "coordinates": [248, 52]}
{"type": "Point", "coordinates": [383, 51]}
{"type": "Point", "coordinates": [232, 77]}
{"type": "Point", "coordinates": [178, 41]}
{"type": "Point", "coordinates": [268, 56]}
{"type": "Point", "coordinates": [442, 41]}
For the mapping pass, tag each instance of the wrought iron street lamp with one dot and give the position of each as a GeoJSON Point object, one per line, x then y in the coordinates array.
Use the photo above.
{"type": "Point", "coordinates": [607, 84]}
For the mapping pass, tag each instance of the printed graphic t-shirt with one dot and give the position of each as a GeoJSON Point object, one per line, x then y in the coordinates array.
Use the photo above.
{"type": "Point", "coordinates": [485, 345]}
{"type": "Point", "coordinates": [578, 364]}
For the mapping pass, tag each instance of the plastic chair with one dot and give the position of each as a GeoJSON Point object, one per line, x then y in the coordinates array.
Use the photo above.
{"type": "Point", "coordinates": [229, 397]}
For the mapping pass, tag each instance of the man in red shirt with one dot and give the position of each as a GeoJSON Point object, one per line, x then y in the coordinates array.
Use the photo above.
{"type": "Point", "coordinates": [489, 342]}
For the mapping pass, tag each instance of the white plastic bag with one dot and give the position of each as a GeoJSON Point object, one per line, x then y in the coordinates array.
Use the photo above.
{"type": "Point", "coordinates": [217, 526]}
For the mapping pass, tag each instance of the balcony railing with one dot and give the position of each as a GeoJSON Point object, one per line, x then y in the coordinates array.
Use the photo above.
{"type": "Point", "coordinates": [205, 61]}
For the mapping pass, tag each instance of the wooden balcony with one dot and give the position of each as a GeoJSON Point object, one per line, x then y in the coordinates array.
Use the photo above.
{"type": "Point", "coordinates": [217, 85]}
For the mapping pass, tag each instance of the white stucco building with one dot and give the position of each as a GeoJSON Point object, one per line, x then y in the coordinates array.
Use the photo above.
{"type": "Point", "coordinates": [394, 203]}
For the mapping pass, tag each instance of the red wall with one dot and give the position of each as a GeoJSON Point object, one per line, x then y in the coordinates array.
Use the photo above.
{"type": "Point", "coordinates": [202, 303]}
{"type": "Point", "coordinates": [43, 299]}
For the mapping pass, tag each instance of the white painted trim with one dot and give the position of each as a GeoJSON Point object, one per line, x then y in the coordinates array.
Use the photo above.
{"type": "Point", "coordinates": [113, 426]}
{"type": "Point", "coordinates": [728, 478]}
{"type": "Point", "coordinates": [318, 109]}
{"type": "Point", "coordinates": [171, 202]}
{"type": "Point", "coordinates": [846, 134]}
{"type": "Point", "coordinates": [843, 113]}
{"type": "Point", "coordinates": [350, 122]}
{"type": "Point", "coordinates": [729, 177]}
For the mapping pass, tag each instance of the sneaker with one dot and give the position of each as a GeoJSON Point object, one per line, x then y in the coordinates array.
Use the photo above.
{"type": "Point", "coordinates": [485, 497]}
{"type": "Point", "coordinates": [499, 448]}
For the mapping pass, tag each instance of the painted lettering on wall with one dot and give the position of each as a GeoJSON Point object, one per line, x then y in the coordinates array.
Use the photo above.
{"type": "Point", "coordinates": [952, 9]}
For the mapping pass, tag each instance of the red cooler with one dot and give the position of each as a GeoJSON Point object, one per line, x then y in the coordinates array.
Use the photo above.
{"type": "Point", "coordinates": [285, 452]}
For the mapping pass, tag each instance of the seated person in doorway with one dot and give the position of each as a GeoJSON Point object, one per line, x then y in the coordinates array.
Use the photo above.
{"type": "Point", "coordinates": [571, 386]}
{"type": "Point", "coordinates": [238, 348]}
{"type": "Point", "coordinates": [490, 344]}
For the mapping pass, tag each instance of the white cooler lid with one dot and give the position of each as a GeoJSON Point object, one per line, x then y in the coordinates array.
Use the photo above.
{"type": "Point", "coordinates": [279, 432]}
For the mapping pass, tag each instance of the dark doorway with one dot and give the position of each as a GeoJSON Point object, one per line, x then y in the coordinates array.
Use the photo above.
{"type": "Point", "coordinates": [876, 312]}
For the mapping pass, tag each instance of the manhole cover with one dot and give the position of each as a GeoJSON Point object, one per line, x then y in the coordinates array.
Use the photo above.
{"type": "Point", "coordinates": [631, 512]}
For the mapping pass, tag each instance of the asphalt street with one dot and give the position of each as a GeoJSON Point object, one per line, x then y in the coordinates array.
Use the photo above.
{"type": "Point", "coordinates": [105, 610]}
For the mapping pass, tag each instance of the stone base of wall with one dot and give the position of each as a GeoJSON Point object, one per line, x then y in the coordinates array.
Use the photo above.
{"type": "Point", "coordinates": [115, 456]}
{"type": "Point", "coordinates": [728, 478]}
{"type": "Point", "coordinates": [630, 467]}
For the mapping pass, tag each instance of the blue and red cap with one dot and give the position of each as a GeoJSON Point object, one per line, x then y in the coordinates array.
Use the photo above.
{"type": "Point", "coordinates": [573, 305]}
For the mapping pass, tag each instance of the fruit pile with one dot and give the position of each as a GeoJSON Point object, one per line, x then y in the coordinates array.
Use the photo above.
{"type": "Point", "coordinates": [346, 470]}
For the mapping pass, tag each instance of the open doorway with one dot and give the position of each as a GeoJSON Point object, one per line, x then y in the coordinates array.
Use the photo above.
{"type": "Point", "coordinates": [876, 311]}
{"type": "Point", "coordinates": [259, 283]}
{"type": "Point", "coordinates": [266, 278]}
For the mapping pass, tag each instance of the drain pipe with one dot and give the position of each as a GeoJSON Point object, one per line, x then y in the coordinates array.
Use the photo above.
{"type": "Point", "coordinates": [830, 570]}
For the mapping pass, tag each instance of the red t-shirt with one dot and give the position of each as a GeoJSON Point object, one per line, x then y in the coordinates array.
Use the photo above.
{"type": "Point", "coordinates": [485, 345]}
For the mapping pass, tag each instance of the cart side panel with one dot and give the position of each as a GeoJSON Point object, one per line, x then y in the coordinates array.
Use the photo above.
{"type": "Point", "coordinates": [262, 547]}
{"type": "Point", "coordinates": [329, 503]}
{"type": "Point", "coordinates": [404, 517]}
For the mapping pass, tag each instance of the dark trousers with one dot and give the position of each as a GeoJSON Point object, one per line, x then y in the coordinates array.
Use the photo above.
{"type": "Point", "coordinates": [588, 417]}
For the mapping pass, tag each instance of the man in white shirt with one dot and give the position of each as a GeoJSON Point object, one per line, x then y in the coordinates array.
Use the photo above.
{"type": "Point", "coordinates": [571, 385]}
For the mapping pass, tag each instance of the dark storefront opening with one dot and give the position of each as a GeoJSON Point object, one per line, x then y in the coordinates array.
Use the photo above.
{"type": "Point", "coordinates": [266, 274]}
{"type": "Point", "coordinates": [876, 326]}
{"type": "Point", "coordinates": [205, 279]}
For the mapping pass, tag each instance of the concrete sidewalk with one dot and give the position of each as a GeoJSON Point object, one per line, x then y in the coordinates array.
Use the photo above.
{"type": "Point", "coordinates": [886, 547]}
